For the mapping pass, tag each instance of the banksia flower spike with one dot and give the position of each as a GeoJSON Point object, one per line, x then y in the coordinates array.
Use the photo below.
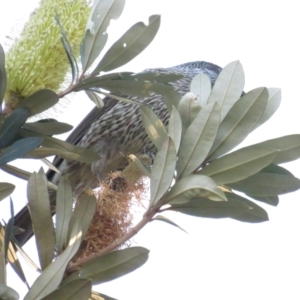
{"type": "Point", "coordinates": [37, 60]}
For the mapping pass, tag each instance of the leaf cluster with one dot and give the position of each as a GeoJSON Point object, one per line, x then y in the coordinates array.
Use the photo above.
{"type": "Point", "coordinates": [197, 171]}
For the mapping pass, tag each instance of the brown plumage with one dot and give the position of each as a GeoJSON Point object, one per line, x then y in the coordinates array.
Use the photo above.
{"type": "Point", "coordinates": [115, 131]}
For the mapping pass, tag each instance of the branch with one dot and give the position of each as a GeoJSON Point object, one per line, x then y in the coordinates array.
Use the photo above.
{"type": "Point", "coordinates": [146, 219]}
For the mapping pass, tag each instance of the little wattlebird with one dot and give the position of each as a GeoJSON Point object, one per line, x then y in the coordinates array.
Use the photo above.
{"type": "Point", "coordinates": [115, 131]}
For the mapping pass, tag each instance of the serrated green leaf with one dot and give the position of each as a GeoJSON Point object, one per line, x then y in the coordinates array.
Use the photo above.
{"type": "Point", "coordinates": [201, 87]}
{"type": "Point", "coordinates": [64, 203]}
{"type": "Point", "coordinates": [79, 289]}
{"type": "Point", "coordinates": [175, 127]}
{"type": "Point", "coordinates": [6, 189]}
{"type": "Point", "coordinates": [166, 220]}
{"type": "Point", "coordinates": [131, 44]}
{"type": "Point", "coordinates": [84, 212]}
{"type": "Point", "coordinates": [49, 127]}
{"type": "Point", "coordinates": [95, 98]}
{"type": "Point", "coordinates": [39, 101]}
{"type": "Point", "coordinates": [198, 139]}
{"type": "Point", "coordinates": [51, 277]}
{"type": "Point", "coordinates": [19, 149]}
{"type": "Point", "coordinates": [239, 122]}
{"type": "Point", "coordinates": [205, 208]}
{"type": "Point", "coordinates": [239, 164]}
{"type": "Point", "coordinates": [2, 76]}
{"type": "Point", "coordinates": [272, 105]}
{"type": "Point", "coordinates": [193, 186]}
{"type": "Point", "coordinates": [228, 87]}
{"type": "Point", "coordinates": [40, 212]}
{"type": "Point", "coordinates": [267, 184]}
{"type": "Point", "coordinates": [162, 172]}
{"type": "Point", "coordinates": [188, 109]}
{"type": "Point", "coordinates": [7, 292]}
{"type": "Point", "coordinates": [11, 125]}
{"type": "Point", "coordinates": [154, 127]}
{"type": "Point", "coordinates": [96, 36]}
{"type": "Point", "coordinates": [112, 265]}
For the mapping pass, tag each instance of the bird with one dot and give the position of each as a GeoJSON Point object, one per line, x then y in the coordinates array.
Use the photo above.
{"type": "Point", "coordinates": [115, 131]}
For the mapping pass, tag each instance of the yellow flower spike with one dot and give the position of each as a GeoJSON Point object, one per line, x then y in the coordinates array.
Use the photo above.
{"type": "Point", "coordinates": [38, 60]}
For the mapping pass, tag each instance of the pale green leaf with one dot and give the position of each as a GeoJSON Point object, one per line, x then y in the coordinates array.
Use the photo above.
{"type": "Point", "coordinates": [228, 87]}
{"type": "Point", "coordinates": [198, 139]}
{"type": "Point", "coordinates": [25, 256]}
{"type": "Point", "coordinates": [11, 125]}
{"type": "Point", "coordinates": [48, 127]}
{"type": "Point", "coordinates": [12, 256]}
{"type": "Point", "coordinates": [205, 208]}
{"type": "Point", "coordinates": [3, 275]}
{"type": "Point", "coordinates": [152, 76]}
{"type": "Point", "coordinates": [288, 148]}
{"type": "Point", "coordinates": [154, 126]}
{"type": "Point", "coordinates": [124, 87]}
{"type": "Point", "coordinates": [272, 105]}
{"type": "Point", "coordinates": [6, 189]}
{"type": "Point", "coordinates": [84, 212]}
{"type": "Point", "coordinates": [40, 212]}
{"type": "Point", "coordinates": [271, 200]}
{"type": "Point", "coordinates": [240, 121]}
{"type": "Point", "coordinates": [201, 87]}
{"type": "Point", "coordinates": [188, 109]}
{"type": "Point", "coordinates": [2, 75]}
{"type": "Point", "coordinates": [64, 204]}
{"type": "Point", "coordinates": [255, 214]}
{"type": "Point", "coordinates": [19, 148]}
{"type": "Point", "coordinates": [39, 101]}
{"type": "Point", "coordinates": [166, 220]}
{"type": "Point", "coordinates": [193, 186]}
{"type": "Point", "coordinates": [8, 293]}
{"type": "Point", "coordinates": [162, 172]}
{"type": "Point", "coordinates": [51, 277]}
{"type": "Point", "coordinates": [267, 184]}
{"type": "Point", "coordinates": [112, 265]}
{"type": "Point", "coordinates": [50, 165]}
{"type": "Point", "coordinates": [95, 98]}
{"type": "Point", "coordinates": [79, 289]}
{"type": "Point", "coordinates": [175, 127]}
{"type": "Point", "coordinates": [96, 30]}
{"type": "Point", "coordinates": [239, 164]}
{"type": "Point", "coordinates": [131, 44]}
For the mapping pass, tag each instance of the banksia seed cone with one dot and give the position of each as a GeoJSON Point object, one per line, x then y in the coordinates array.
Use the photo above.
{"type": "Point", "coordinates": [37, 60]}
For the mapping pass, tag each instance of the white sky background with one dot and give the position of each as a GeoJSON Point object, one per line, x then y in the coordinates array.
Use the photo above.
{"type": "Point", "coordinates": [217, 259]}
